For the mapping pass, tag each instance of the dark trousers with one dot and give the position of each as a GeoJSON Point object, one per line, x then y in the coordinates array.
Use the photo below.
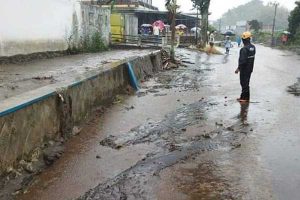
{"type": "Point", "coordinates": [245, 76]}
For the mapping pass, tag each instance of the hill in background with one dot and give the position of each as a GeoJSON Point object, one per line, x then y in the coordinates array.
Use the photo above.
{"type": "Point", "coordinates": [256, 10]}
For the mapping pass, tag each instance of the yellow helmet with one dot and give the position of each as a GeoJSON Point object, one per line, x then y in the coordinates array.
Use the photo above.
{"type": "Point", "coordinates": [246, 35]}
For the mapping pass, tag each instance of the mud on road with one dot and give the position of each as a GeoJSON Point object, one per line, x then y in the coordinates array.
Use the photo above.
{"type": "Point", "coordinates": [184, 136]}
{"type": "Point", "coordinates": [173, 147]}
{"type": "Point", "coordinates": [295, 88]}
{"type": "Point", "coordinates": [174, 143]}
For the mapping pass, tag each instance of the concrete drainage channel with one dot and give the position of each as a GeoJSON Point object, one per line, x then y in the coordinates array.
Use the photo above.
{"type": "Point", "coordinates": [30, 120]}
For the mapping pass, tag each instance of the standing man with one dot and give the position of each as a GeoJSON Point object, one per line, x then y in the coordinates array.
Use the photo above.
{"type": "Point", "coordinates": [227, 44]}
{"type": "Point", "coordinates": [238, 41]}
{"type": "Point", "coordinates": [156, 33]}
{"type": "Point", "coordinates": [245, 68]}
{"type": "Point", "coordinates": [212, 39]}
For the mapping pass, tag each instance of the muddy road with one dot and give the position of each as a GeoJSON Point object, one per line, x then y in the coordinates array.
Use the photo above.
{"type": "Point", "coordinates": [184, 136]}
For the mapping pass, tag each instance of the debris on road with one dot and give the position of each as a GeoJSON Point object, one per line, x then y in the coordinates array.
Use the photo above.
{"type": "Point", "coordinates": [168, 64]}
{"type": "Point", "coordinates": [129, 108]}
{"type": "Point", "coordinates": [53, 153]}
{"type": "Point", "coordinates": [50, 77]}
{"type": "Point", "coordinates": [118, 99]}
{"type": "Point", "coordinates": [76, 130]}
{"type": "Point", "coordinates": [295, 89]}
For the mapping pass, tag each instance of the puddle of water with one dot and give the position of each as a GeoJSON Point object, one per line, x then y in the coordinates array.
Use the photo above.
{"type": "Point", "coordinates": [216, 175]}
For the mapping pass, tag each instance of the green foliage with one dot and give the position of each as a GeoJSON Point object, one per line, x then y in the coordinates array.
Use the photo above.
{"type": "Point", "coordinates": [255, 9]}
{"type": "Point", "coordinates": [201, 5]}
{"type": "Point", "coordinates": [97, 44]}
{"type": "Point", "coordinates": [262, 37]}
{"type": "Point", "coordinates": [211, 28]}
{"type": "Point", "coordinates": [266, 37]}
{"type": "Point", "coordinates": [295, 40]}
{"type": "Point", "coordinates": [254, 25]}
{"type": "Point", "coordinates": [294, 23]}
{"type": "Point", "coordinates": [112, 3]}
{"type": "Point", "coordinates": [90, 44]}
{"type": "Point", "coordinates": [171, 6]}
{"type": "Point", "coordinates": [168, 2]}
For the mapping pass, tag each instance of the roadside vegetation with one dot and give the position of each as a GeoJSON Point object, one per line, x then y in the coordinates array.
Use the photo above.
{"type": "Point", "coordinates": [294, 25]}
{"type": "Point", "coordinates": [88, 44]}
{"type": "Point", "coordinates": [264, 14]}
{"type": "Point", "coordinates": [202, 6]}
{"type": "Point", "coordinates": [261, 17]}
{"type": "Point", "coordinates": [293, 32]}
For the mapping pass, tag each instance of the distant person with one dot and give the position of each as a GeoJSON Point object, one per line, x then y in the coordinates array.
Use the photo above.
{"type": "Point", "coordinates": [143, 31]}
{"type": "Point", "coordinates": [245, 68]}
{"type": "Point", "coordinates": [238, 41]}
{"type": "Point", "coordinates": [179, 34]}
{"type": "Point", "coordinates": [227, 44]}
{"type": "Point", "coordinates": [284, 39]}
{"type": "Point", "coordinates": [149, 31]}
{"type": "Point", "coordinates": [212, 39]}
{"type": "Point", "coordinates": [156, 33]}
{"type": "Point", "coordinates": [212, 36]}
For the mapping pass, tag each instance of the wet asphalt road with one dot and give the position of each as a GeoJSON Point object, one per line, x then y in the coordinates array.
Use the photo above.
{"type": "Point", "coordinates": [184, 136]}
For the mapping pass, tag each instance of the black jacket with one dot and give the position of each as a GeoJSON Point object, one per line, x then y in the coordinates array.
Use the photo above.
{"type": "Point", "coordinates": [247, 56]}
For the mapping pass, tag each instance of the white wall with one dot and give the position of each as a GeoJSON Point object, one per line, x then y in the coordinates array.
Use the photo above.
{"type": "Point", "coordinates": [29, 26]}
{"type": "Point", "coordinates": [35, 19]}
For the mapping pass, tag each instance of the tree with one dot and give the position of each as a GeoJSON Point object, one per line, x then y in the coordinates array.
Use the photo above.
{"type": "Point", "coordinates": [172, 7]}
{"type": "Point", "coordinates": [111, 2]}
{"type": "Point", "coordinates": [211, 28]}
{"type": "Point", "coordinates": [294, 20]}
{"type": "Point", "coordinates": [203, 7]}
{"type": "Point", "coordinates": [256, 9]}
{"type": "Point", "coordinates": [255, 25]}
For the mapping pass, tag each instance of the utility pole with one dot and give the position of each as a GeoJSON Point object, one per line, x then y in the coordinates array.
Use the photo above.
{"type": "Point", "coordinates": [197, 25]}
{"type": "Point", "coordinates": [275, 4]}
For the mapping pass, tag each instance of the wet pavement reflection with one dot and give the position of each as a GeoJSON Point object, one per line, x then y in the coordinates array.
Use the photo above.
{"type": "Point", "coordinates": [186, 137]}
{"type": "Point", "coordinates": [244, 113]}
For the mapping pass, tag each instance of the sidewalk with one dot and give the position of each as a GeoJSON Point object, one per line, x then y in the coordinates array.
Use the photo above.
{"type": "Point", "coordinates": [16, 79]}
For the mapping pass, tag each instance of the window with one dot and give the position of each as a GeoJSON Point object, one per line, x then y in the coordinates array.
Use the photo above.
{"type": "Point", "coordinates": [91, 19]}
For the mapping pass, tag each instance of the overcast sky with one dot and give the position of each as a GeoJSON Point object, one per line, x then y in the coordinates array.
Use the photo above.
{"type": "Point", "coordinates": [219, 7]}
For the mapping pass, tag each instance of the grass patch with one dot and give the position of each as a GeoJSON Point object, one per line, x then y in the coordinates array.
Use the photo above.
{"type": "Point", "coordinates": [89, 44]}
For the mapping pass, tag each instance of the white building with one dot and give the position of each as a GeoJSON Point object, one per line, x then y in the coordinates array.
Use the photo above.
{"type": "Point", "coordinates": [47, 25]}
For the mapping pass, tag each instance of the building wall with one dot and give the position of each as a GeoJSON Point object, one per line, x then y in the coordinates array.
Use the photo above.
{"type": "Point", "coordinates": [95, 19]}
{"type": "Point", "coordinates": [37, 26]}
{"type": "Point", "coordinates": [127, 1]}
{"type": "Point", "coordinates": [147, 1]}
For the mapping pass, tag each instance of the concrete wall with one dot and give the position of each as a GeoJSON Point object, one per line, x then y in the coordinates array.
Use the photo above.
{"type": "Point", "coordinates": [95, 19]}
{"type": "Point", "coordinates": [29, 120]}
{"type": "Point", "coordinates": [37, 26]}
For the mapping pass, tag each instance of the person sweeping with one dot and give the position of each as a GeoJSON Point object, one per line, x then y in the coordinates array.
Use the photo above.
{"type": "Point", "coordinates": [245, 67]}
